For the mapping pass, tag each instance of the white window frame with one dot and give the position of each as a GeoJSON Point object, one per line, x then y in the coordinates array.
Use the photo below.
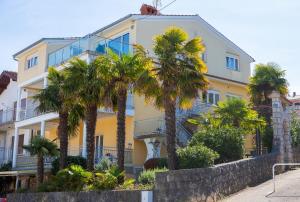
{"type": "Point", "coordinates": [214, 92]}
{"type": "Point", "coordinates": [30, 61]}
{"type": "Point", "coordinates": [230, 95]}
{"type": "Point", "coordinates": [235, 57]}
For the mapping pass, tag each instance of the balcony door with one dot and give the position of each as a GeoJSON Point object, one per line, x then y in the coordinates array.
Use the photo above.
{"type": "Point", "coordinates": [20, 143]}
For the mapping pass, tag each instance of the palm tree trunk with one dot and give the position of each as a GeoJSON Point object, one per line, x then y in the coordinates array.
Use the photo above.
{"type": "Point", "coordinates": [91, 119]}
{"type": "Point", "coordinates": [170, 119]}
{"type": "Point", "coordinates": [121, 116]}
{"type": "Point", "coordinates": [63, 139]}
{"type": "Point", "coordinates": [40, 170]}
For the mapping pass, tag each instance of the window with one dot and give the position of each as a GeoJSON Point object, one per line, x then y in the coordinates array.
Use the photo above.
{"type": "Point", "coordinates": [31, 62]}
{"type": "Point", "coordinates": [232, 62]}
{"type": "Point", "coordinates": [211, 97]}
{"type": "Point", "coordinates": [232, 96]}
{"type": "Point", "coordinates": [119, 45]}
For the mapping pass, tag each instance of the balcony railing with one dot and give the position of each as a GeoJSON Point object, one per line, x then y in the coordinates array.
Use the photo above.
{"type": "Point", "coordinates": [29, 112]}
{"type": "Point", "coordinates": [7, 116]}
{"type": "Point", "coordinates": [60, 56]}
{"type": "Point", "coordinates": [25, 161]}
{"type": "Point", "coordinates": [5, 155]}
{"type": "Point", "coordinates": [150, 126]}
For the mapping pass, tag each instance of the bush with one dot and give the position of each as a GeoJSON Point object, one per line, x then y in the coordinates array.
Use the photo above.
{"type": "Point", "coordinates": [5, 182]}
{"type": "Point", "coordinates": [156, 163]}
{"type": "Point", "coordinates": [198, 156]}
{"type": "Point", "coordinates": [74, 178]}
{"type": "Point", "coordinates": [148, 176]}
{"type": "Point", "coordinates": [117, 173]}
{"type": "Point", "coordinates": [103, 165]}
{"type": "Point", "coordinates": [103, 181]}
{"type": "Point", "coordinates": [227, 142]}
{"type": "Point", "coordinates": [71, 160]}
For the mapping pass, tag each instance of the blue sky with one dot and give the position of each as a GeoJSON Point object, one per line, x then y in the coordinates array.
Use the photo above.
{"type": "Point", "coordinates": [267, 29]}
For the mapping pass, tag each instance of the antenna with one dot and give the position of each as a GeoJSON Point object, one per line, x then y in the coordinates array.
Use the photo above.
{"type": "Point", "coordinates": [156, 3]}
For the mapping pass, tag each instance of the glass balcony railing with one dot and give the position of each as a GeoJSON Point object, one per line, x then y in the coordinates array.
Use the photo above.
{"type": "Point", "coordinates": [62, 55]}
{"type": "Point", "coordinates": [119, 45]}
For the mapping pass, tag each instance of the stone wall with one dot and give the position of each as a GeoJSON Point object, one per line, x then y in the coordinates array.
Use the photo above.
{"type": "Point", "coordinates": [211, 184]}
{"type": "Point", "coordinates": [103, 196]}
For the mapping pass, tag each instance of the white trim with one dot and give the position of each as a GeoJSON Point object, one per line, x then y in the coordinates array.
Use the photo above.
{"type": "Point", "coordinates": [34, 79]}
{"type": "Point", "coordinates": [233, 95]}
{"type": "Point", "coordinates": [37, 119]}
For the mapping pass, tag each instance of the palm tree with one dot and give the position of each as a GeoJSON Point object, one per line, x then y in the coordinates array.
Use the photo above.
{"type": "Point", "coordinates": [41, 147]}
{"type": "Point", "coordinates": [56, 98]}
{"type": "Point", "coordinates": [124, 71]}
{"type": "Point", "coordinates": [176, 79]}
{"type": "Point", "coordinates": [86, 81]}
{"type": "Point", "coordinates": [267, 78]}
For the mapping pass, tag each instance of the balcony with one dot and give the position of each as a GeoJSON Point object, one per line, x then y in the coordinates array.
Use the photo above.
{"type": "Point", "coordinates": [5, 155]}
{"type": "Point", "coordinates": [118, 44]}
{"type": "Point", "coordinates": [72, 50]}
{"type": "Point", "coordinates": [29, 111]}
{"type": "Point", "coordinates": [27, 162]}
{"type": "Point", "coordinates": [7, 116]}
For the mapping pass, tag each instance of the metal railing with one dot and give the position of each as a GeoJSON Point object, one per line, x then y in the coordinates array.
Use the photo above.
{"type": "Point", "coordinates": [150, 126]}
{"type": "Point", "coordinates": [7, 116]}
{"type": "Point", "coordinates": [25, 160]}
{"type": "Point", "coordinates": [29, 111]}
{"type": "Point", "coordinates": [5, 155]}
{"type": "Point", "coordinates": [273, 172]}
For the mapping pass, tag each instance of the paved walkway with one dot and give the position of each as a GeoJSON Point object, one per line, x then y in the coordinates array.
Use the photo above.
{"type": "Point", "coordinates": [287, 189]}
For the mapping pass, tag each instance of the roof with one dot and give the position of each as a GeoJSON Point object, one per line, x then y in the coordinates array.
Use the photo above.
{"type": "Point", "coordinates": [5, 78]}
{"type": "Point", "coordinates": [42, 40]}
{"type": "Point", "coordinates": [142, 17]}
{"type": "Point", "coordinates": [206, 24]}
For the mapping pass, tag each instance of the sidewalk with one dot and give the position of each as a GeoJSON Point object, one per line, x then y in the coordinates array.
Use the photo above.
{"type": "Point", "coordinates": [287, 189]}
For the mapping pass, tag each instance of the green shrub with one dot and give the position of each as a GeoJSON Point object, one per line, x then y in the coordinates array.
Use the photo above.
{"type": "Point", "coordinates": [227, 142]}
{"type": "Point", "coordinates": [71, 160]}
{"type": "Point", "coordinates": [6, 182]}
{"type": "Point", "coordinates": [103, 165]}
{"type": "Point", "coordinates": [103, 181]}
{"type": "Point", "coordinates": [116, 172]}
{"type": "Point", "coordinates": [197, 156]}
{"type": "Point", "coordinates": [156, 163]}
{"type": "Point", "coordinates": [128, 184]}
{"type": "Point", "coordinates": [73, 178]}
{"type": "Point", "coordinates": [148, 176]}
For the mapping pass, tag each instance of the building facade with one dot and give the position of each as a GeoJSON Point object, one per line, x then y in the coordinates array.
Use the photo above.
{"type": "Point", "coordinates": [228, 74]}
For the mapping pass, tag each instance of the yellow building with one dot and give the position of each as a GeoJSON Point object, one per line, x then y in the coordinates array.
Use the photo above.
{"type": "Point", "coordinates": [228, 73]}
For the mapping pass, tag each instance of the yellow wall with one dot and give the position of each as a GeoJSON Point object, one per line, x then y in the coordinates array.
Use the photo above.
{"type": "Point", "coordinates": [106, 126]}
{"type": "Point", "coordinates": [216, 46]}
{"type": "Point", "coordinates": [226, 87]}
{"type": "Point", "coordinates": [139, 153]}
{"type": "Point", "coordinates": [25, 74]}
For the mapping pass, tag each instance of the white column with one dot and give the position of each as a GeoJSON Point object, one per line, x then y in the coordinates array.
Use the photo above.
{"type": "Point", "coordinates": [45, 82]}
{"type": "Point", "coordinates": [15, 149]}
{"type": "Point", "coordinates": [84, 140]}
{"type": "Point", "coordinates": [43, 126]}
{"type": "Point", "coordinates": [18, 104]}
{"type": "Point", "coordinates": [150, 148]}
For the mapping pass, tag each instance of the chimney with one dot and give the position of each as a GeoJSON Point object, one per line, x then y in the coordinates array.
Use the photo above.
{"type": "Point", "coordinates": [294, 94]}
{"type": "Point", "coordinates": [149, 10]}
